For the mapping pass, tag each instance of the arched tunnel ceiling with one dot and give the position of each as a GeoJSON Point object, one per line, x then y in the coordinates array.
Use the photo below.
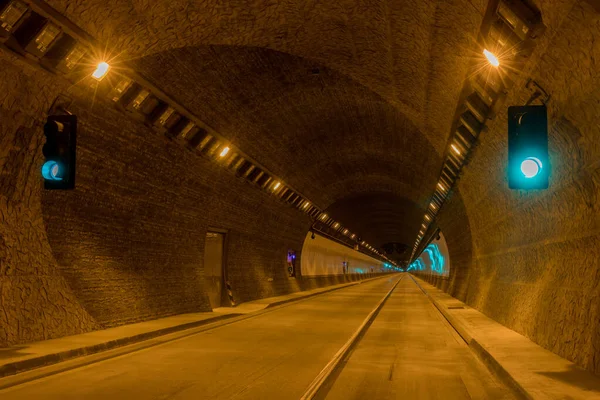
{"type": "Point", "coordinates": [323, 133]}
{"type": "Point", "coordinates": [414, 54]}
{"type": "Point", "coordinates": [379, 111]}
{"type": "Point", "coordinates": [395, 218]}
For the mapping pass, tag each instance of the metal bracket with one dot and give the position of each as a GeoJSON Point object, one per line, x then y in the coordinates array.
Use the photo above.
{"type": "Point", "coordinates": [537, 93]}
{"type": "Point", "coordinates": [61, 105]}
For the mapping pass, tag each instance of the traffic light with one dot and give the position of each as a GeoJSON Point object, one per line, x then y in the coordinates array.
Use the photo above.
{"type": "Point", "coordinates": [528, 163]}
{"type": "Point", "coordinates": [59, 151]}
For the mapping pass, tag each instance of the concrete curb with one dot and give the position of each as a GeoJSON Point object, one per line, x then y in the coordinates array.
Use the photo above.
{"type": "Point", "coordinates": [493, 365]}
{"type": "Point", "coordinates": [15, 368]}
{"type": "Point", "coordinates": [49, 359]}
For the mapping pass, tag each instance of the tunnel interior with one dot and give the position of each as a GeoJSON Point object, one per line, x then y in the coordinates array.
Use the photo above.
{"type": "Point", "coordinates": [350, 108]}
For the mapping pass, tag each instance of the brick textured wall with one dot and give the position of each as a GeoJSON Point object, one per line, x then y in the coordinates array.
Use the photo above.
{"type": "Point", "coordinates": [127, 244]}
{"type": "Point", "coordinates": [36, 301]}
{"type": "Point", "coordinates": [535, 265]}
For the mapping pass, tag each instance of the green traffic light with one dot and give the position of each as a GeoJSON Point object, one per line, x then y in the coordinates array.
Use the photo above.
{"type": "Point", "coordinates": [531, 166]}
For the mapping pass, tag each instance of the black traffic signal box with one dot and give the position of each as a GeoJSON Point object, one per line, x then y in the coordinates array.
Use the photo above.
{"type": "Point", "coordinates": [528, 161]}
{"type": "Point", "coordinates": [59, 151]}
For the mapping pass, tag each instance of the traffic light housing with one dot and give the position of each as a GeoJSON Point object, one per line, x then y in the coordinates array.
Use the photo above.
{"type": "Point", "coordinates": [59, 152]}
{"type": "Point", "coordinates": [528, 161]}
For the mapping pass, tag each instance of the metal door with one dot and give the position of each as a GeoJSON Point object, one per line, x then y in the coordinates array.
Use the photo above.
{"type": "Point", "coordinates": [213, 267]}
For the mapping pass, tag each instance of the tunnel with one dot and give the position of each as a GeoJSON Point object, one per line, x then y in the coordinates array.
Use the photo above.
{"type": "Point", "coordinates": [298, 199]}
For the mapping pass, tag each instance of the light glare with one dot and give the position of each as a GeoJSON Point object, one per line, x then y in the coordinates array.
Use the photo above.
{"type": "Point", "coordinates": [101, 71]}
{"type": "Point", "coordinates": [530, 167]}
{"type": "Point", "coordinates": [277, 186]}
{"type": "Point", "coordinates": [492, 59]}
{"type": "Point", "coordinates": [224, 152]}
{"type": "Point", "coordinates": [456, 150]}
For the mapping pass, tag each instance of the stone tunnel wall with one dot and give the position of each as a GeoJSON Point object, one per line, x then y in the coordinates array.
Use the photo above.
{"type": "Point", "coordinates": [536, 254]}
{"type": "Point", "coordinates": [127, 244]}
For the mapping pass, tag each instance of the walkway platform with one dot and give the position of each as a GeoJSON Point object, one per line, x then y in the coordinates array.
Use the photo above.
{"type": "Point", "coordinates": [530, 370]}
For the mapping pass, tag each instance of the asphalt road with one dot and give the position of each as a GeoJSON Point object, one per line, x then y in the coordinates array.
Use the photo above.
{"type": "Point", "coordinates": [275, 355]}
{"type": "Point", "coordinates": [411, 352]}
{"type": "Point", "coordinates": [408, 353]}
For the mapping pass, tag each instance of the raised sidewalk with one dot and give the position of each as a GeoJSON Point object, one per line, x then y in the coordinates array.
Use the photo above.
{"type": "Point", "coordinates": [531, 371]}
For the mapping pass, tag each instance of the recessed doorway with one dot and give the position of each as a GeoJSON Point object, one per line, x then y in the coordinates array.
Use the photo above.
{"type": "Point", "coordinates": [213, 267]}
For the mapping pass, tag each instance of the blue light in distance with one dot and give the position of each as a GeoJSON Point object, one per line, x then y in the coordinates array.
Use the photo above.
{"type": "Point", "coordinates": [437, 261]}
{"type": "Point", "coordinates": [51, 171]}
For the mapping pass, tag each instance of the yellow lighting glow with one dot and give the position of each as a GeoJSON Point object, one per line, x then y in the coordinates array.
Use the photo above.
{"type": "Point", "coordinates": [345, 231]}
{"type": "Point", "coordinates": [323, 216]}
{"type": "Point", "coordinates": [305, 204]}
{"type": "Point", "coordinates": [224, 152]}
{"type": "Point", "coordinates": [492, 59]}
{"type": "Point", "coordinates": [101, 71]}
{"type": "Point", "coordinates": [441, 186]}
{"type": "Point", "coordinates": [336, 225]}
{"type": "Point", "coordinates": [276, 185]}
{"type": "Point", "coordinates": [427, 217]}
{"type": "Point", "coordinates": [456, 150]}
{"type": "Point", "coordinates": [433, 206]}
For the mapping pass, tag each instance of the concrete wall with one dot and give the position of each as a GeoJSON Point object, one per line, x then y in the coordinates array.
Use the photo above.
{"type": "Point", "coordinates": [324, 257]}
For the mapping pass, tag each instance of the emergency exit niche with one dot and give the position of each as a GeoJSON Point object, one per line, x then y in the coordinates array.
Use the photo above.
{"type": "Point", "coordinates": [291, 263]}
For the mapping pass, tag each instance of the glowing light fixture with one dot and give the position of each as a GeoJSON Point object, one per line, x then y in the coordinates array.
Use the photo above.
{"type": "Point", "coordinates": [433, 206]}
{"type": "Point", "coordinates": [531, 166]}
{"type": "Point", "coordinates": [336, 225]}
{"type": "Point", "coordinates": [305, 204]}
{"type": "Point", "coordinates": [428, 218]}
{"type": "Point", "coordinates": [492, 59]}
{"type": "Point", "coordinates": [456, 150]}
{"type": "Point", "coordinates": [224, 152]}
{"type": "Point", "coordinates": [276, 185]}
{"type": "Point", "coordinates": [101, 71]}
{"type": "Point", "coordinates": [441, 186]}
{"type": "Point", "coordinates": [52, 171]}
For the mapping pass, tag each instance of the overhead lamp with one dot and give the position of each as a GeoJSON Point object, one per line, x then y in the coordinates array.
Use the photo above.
{"type": "Point", "coordinates": [101, 71]}
{"type": "Point", "coordinates": [323, 216]}
{"type": "Point", "coordinates": [224, 151]}
{"type": "Point", "coordinates": [306, 204]}
{"type": "Point", "coordinates": [491, 57]}
{"type": "Point", "coordinates": [427, 217]}
{"type": "Point", "coordinates": [441, 186]}
{"type": "Point", "coordinates": [456, 150]}
{"type": "Point", "coordinates": [276, 186]}
{"type": "Point", "coordinates": [345, 231]}
{"type": "Point", "coordinates": [336, 225]}
{"type": "Point", "coordinates": [353, 236]}
{"type": "Point", "coordinates": [433, 206]}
